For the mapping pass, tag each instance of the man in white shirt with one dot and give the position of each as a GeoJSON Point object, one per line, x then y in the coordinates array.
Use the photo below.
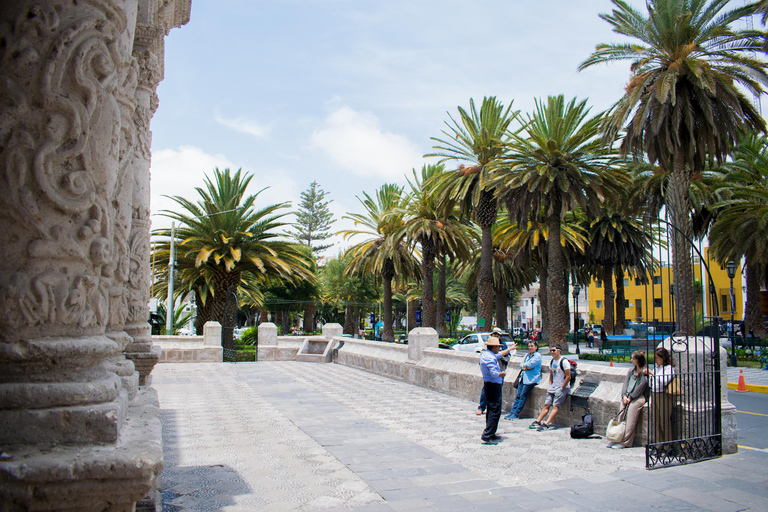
{"type": "Point", "coordinates": [559, 385]}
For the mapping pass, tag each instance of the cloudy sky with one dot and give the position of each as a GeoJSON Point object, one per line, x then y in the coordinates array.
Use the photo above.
{"type": "Point", "coordinates": [349, 92]}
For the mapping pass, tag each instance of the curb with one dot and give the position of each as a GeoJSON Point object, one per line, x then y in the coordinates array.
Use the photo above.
{"type": "Point", "coordinates": [755, 388]}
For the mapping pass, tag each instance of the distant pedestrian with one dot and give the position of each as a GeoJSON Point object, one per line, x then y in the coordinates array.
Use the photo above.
{"type": "Point", "coordinates": [559, 385]}
{"type": "Point", "coordinates": [633, 397]}
{"type": "Point", "coordinates": [603, 338]}
{"type": "Point", "coordinates": [493, 379]}
{"type": "Point", "coordinates": [530, 376]}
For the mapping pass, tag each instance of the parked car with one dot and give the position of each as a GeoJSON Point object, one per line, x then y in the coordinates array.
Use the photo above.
{"type": "Point", "coordinates": [475, 342]}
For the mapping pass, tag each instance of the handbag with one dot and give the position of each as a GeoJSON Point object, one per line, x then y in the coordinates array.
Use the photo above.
{"type": "Point", "coordinates": [615, 430]}
{"type": "Point", "coordinates": [517, 379]}
{"type": "Point", "coordinates": [675, 387]}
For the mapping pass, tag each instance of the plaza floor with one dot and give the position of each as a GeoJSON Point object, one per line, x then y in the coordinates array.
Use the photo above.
{"type": "Point", "coordinates": [284, 436]}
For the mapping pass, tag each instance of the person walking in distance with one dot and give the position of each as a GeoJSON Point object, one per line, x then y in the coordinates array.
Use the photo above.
{"type": "Point", "coordinates": [493, 378]}
{"type": "Point", "coordinates": [559, 385]}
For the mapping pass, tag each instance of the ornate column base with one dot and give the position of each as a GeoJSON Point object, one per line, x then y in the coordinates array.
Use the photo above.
{"type": "Point", "coordinates": [141, 351]}
{"type": "Point", "coordinates": [93, 477]}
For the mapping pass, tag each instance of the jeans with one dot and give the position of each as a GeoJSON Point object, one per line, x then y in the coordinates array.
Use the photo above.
{"type": "Point", "coordinates": [523, 390]}
{"type": "Point", "coordinates": [483, 402]}
{"type": "Point", "coordinates": [493, 395]}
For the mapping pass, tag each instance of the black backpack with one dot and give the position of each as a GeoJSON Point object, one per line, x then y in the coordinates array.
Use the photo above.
{"type": "Point", "coordinates": [584, 429]}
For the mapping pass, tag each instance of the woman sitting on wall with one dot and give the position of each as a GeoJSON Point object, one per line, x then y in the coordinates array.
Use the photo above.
{"type": "Point", "coordinates": [633, 398]}
{"type": "Point", "coordinates": [531, 375]}
{"type": "Point", "coordinates": [661, 400]}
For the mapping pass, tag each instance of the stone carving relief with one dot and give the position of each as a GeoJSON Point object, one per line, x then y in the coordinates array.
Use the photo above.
{"type": "Point", "coordinates": [64, 144]}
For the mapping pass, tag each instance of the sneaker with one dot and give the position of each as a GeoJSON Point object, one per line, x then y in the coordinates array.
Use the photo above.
{"type": "Point", "coordinates": [510, 417]}
{"type": "Point", "coordinates": [610, 445]}
{"type": "Point", "coordinates": [496, 437]}
{"type": "Point", "coordinates": [618, 446]}
{"type": "Point", "coordinates": [479, 412]}
{"type": "Point", "coordinates": [488, 440]}
{"type": "Point", "coordinates": [534, 425]}
{"type": "Point", "coordinates": [544, 427]}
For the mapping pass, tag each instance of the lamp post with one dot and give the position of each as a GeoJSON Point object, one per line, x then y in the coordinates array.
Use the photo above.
{"type": "Point", "coordinates": [672, 304]}
{"type": "Point", "coordinates": [613, 305]}
{"type": "Point", "coordinates": [533, 314]}
{"type": "Point", "coordinates": [731, 269]}
{"type": "Point", "coordinates": [576, 290]}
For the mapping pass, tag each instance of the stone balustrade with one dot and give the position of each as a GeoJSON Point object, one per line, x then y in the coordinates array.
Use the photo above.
{"type": "Point", "coordinates": [192, 349]}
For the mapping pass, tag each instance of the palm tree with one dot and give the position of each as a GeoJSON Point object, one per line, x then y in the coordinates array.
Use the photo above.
{"type": "Point", "coordinates": [682, 106]}
{"type": "Point", "coordinates": [430, 223]}
{"type": "Point", "coordinates": [221, 237]}
{"type": "Point", "coordinates": [558, 166]}
{"type": "Point", "coordinates": [385, 254]}
{"type": "Point", "coordinates": [479, 139]}
{"type": "Point", "coordinates": [740, 228]}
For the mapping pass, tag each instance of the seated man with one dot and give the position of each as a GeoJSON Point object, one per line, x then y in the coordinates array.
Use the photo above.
{"type": "Point", "coordinates": [559, 385]}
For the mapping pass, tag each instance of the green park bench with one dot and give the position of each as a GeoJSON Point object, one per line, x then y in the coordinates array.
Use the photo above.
{"type": "Point", "coordinates": [623, 350]}
{"type": "Point", "coordinates": [607, 345]}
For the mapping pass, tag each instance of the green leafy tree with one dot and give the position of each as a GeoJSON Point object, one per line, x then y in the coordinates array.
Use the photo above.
{"type": "Point", "coordinates": [683, 105]}
{"type": "Point", "coordinates": [480, 139]}
{"type": "Point", "coordinates": [223, 236]}
{"type": "Point", "coordinates": [313, 219]}
{"type": "Point", "coordinates": [347, 292]}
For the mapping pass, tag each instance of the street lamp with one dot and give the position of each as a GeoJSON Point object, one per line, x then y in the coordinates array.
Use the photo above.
{"type": "Point", "coordinates": [672, 305]}
{"type": "Point", "coordinates": [731, 269]}
{"type": "Point", "coordinates": [533, 314]}
{"type": "Point", "coordinates": [613, 306]}
{"type": "Point", "coordinates": [576, 290]}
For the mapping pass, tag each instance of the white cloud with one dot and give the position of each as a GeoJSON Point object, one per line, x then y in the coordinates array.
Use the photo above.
{"type": "Point", "coordinates": [355, 142]}
{"type": "Point", "coordinates": [242, 124]}
{"type": "Point", "coordinates": [177, 172]}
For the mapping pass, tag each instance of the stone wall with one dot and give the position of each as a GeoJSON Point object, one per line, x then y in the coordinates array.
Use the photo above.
{"type": "Point", "coordinates": [192, 349]}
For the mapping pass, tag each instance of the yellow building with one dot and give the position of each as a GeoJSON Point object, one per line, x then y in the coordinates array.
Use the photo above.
{"type": "Point", "coordinates": [646, 303]}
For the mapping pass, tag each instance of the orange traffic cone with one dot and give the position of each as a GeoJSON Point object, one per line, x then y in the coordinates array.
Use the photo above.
{"type": "Point", "coordinates": [742, 388]}
{"type": "Point", "coordinates": [611, 363]}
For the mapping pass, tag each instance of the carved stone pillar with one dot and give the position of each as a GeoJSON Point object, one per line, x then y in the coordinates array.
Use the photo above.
{"type": "Point", "coordinates": [75, 432]}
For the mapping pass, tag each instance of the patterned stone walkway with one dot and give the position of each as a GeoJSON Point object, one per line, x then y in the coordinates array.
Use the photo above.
{"type": "Point", "coordinates": [274, 436]}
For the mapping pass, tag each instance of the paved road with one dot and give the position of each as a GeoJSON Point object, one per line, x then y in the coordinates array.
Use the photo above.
{"type": "Point", "coordinates": [274, 436]}
{"type": "Point", "coordinates": [752, 419]}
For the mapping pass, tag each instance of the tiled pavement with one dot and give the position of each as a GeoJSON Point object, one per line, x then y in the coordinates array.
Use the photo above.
{"type": "Point", "coordinates": [274, 436]}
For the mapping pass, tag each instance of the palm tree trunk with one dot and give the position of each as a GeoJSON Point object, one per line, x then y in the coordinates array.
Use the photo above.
{"type": "Point", "coordinates": [557, 299]}
{"type": "Point", "coordinates": [621, 321]}
{"type": "Point", "coordinates": [440, 327]}
{"type": "Point", "coordinates": [349, 320]}
{"type": "Point", "coordinates": [543, 283]}
{"type": "Point", "coordinates": [427, 276]}
{"type": "Point", "coordinates": [501, 308]}
{"type": "Point", "coordinates": [388, 272]}
{"type": "Point", "coordinates": [485, 216]}
{"type": "Point", "coordinates": [753, 319]}
{"type": "Point", "coordinates": [412, 306]}
{"type": "Point", "coordinates": [679, 205]}
{"type": "Point", "coordinates": [309, 315]}
{"type": "Point", "coordinates": [608, 301]}
{"type": "Point", "coordinates": [213, 309]}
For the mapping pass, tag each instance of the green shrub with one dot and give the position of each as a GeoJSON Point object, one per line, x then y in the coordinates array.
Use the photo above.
{"type": "Point", "coordinates": [250, 336]}
{"type": "Point", "coordinates": [245, 355]}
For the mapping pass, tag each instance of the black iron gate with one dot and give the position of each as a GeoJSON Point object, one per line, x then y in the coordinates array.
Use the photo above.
{"type": "Point", "coordinates": [685, 421]}
{"type": "Point", "coordinates": [228, 326]}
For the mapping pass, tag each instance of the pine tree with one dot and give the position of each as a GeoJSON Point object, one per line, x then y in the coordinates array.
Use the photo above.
{"type": "Point", "coordinates": [313, 219]}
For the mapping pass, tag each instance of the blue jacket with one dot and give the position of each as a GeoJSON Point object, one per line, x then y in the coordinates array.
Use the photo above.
{"type": "Point", "coordinates": [489, 366]}
{"type": "Point", "coordinates": [531, 367]}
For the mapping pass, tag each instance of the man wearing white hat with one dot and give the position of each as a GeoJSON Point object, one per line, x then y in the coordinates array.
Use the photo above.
{"type": "Point", "coordinates": [493, 379]}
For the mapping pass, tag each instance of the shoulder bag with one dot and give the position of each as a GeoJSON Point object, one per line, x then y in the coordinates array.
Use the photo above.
{"type": "Point", "coordinates": [675, 387]}
{"type": "Point", "coordinates": [615, 430]}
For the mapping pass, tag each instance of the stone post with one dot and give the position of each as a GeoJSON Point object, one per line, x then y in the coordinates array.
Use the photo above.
{"type": "Point", "coordinates": [331, 331]}
{"type": "Point", "coordinates": [419, 339]}
{"type": "Point", "coordinates": [212, 334]}
{"type": "Point", "coordinates": [267, 345]}
{"type": "Point", "coordinates": [76, 432]}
